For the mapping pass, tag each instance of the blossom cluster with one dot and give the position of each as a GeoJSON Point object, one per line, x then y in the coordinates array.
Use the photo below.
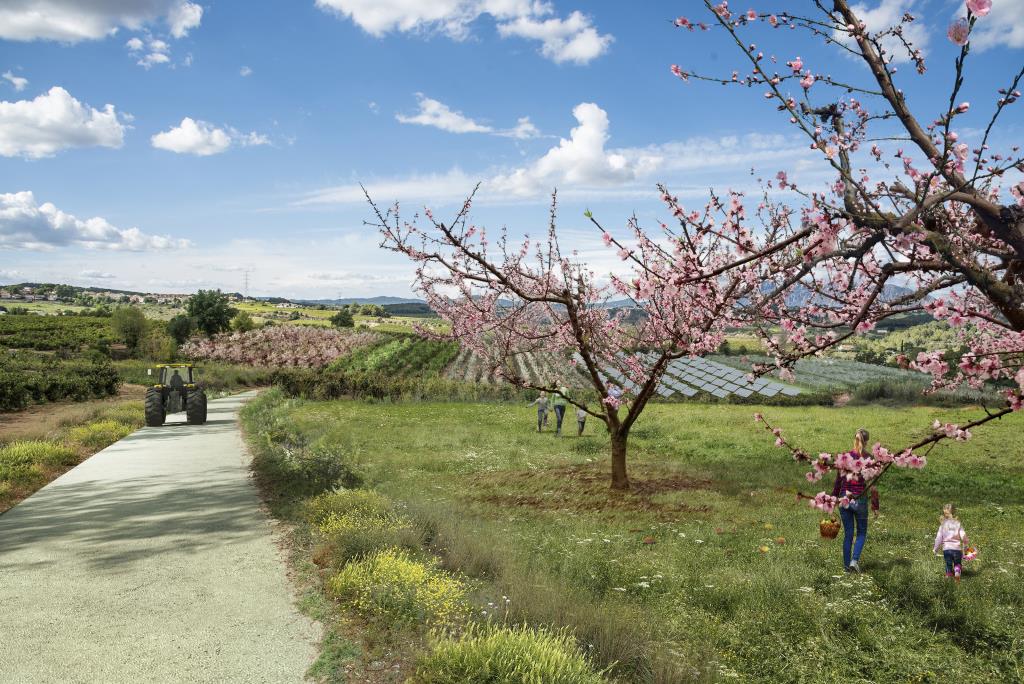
{"type": "Point", "coordinates": [280, 346]}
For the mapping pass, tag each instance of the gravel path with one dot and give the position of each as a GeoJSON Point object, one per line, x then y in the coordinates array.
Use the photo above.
{"type": "Point", "coordinates": [151, 561]}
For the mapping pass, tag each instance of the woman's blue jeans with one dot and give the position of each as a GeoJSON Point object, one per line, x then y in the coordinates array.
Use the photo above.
{"type": "Point", "coordinates": [856, 514]}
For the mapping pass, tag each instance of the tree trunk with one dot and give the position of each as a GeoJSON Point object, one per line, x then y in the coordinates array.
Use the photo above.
{"type": "Point", "coordinates": [619, 478]}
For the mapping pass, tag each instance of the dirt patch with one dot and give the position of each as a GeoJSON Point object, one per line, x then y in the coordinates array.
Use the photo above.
{"type": "Point", "coordinates": [586, 488]}
{"type": "Point", "coordinates": [40, 420]}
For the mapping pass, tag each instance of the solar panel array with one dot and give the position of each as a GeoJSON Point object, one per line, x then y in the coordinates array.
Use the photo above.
{"type": "Point", "coordinates": [688, 377]}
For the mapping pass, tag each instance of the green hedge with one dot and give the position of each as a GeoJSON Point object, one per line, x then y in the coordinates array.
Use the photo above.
{"type": "Point", "coordinates": [28, 378]}
{"type": "Point", "coordinates": [337, 384]}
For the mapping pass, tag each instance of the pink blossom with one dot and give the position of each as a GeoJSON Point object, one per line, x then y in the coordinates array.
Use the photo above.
{"type": "Point", "coordinates": [758, 418]}
{"type": "Point", "coordinates": [607, 239]}
{"type": "Point", "coordinates": [979, 7]}
{"type": "Point", "coordinates": [752, 14]}
{"type": "Point", "coordinates": [963, 107]}
{"type": "Point", "coordinates": [807, 81]}
{"type": "Point", "coordinates": [796, 65]}
{"type": "Point", "coordinates": [779, 442]}
{"type": "Point", "coordinates": [959, 32]}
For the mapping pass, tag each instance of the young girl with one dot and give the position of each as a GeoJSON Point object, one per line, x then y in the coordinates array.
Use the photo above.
{"type": "Point", "coordinates": [952, 538]}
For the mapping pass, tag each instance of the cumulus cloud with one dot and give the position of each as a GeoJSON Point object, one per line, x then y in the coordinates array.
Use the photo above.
{"type": "Point", "coordinates": [573, 39]}
{"type": "Point", "coordinates": [245, 71]}
{"type": "Point", "coordinates": [53, 122]}
{"type": "Point", "coordinates": [150, 52]}
{"type": "Point", "coordinates": [72, 21]}
{"type": "Point", "coordinates": [18, 82]}
{"type": "Point", "coordinates": [1004, 26]}
{"type": "Point", "coordinates": [888, 13]}
{"type": "Point", "coordinates": [26, 224]}
{"type": "Point", "coordinates": [579, 160]}
{"type": "Point", "coordinates": [203, 139]}
{"type": "Point", "coordinates": [439, 115]}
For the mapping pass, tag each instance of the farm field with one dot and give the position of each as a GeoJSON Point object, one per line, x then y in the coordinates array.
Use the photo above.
{"type": "Point", "coordinates": [708, 569]}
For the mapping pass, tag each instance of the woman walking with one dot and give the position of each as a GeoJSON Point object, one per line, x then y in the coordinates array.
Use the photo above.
{"type": "Point", "coordinates": [855, 514]}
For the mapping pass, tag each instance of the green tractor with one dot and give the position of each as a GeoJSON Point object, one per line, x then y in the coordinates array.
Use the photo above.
{"type": "Point", "coordinates": [177, 391]}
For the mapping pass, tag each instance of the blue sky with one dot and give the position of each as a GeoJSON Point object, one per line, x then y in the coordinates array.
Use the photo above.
{"type": "Point", "coordinates": [189, 141]}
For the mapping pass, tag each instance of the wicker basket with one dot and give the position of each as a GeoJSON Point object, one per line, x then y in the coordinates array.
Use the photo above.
{"type": "Point", "coordinates": [970, 554]}
{"type": "Point", "coordinates": [829, 528]}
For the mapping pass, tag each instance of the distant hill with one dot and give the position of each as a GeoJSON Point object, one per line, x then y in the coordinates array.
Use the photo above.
{"type": "Point", "coordinates": [361, 300]}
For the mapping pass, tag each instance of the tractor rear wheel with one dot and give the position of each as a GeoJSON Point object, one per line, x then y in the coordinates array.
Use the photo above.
{"type": "Point", "coordinates": [154, 407]}
{"type": "Point", "coordinates": [195, 407]}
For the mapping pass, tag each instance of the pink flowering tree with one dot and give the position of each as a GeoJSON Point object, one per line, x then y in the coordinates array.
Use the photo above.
{"type": "Point", "coordinates": [911, 203]}
{"type": "Point", "coordinates": [506, 297]}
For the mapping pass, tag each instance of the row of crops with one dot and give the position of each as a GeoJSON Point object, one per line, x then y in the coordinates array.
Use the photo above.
{"type": "Point", "coordinates": [52, 333]}
{"type": "Point", "coordinates": [534, 367]}
{"type": "Point", "coordinates": [30, 378]}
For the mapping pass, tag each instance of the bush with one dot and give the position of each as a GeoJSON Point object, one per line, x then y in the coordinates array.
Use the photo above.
{"type": "Point", "coordinates": [392, 586]}
{"type": "Point", "coordinates": [48, 454]}
{"type": "Point", "coordinates": [285, 460]}
{"type": "Point", "coordinates": [100, 434]}
{"type": "Point", "coordinates": [27, 378]}
{"type": "Point", "coordinates": [353, 524]}
{"type": "Point", "coordinates": [509, 656]}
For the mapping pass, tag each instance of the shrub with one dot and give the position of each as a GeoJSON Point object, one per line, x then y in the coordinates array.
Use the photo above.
{"type": "Point", "coordinates": [392, 586]}
{"type": "Point", "coordinates": [352, 524]}
{"type": "Point", "coordinates": [509, 656]}
{"type": "Point", "coordinates": [99, 434]}
{"type": "Point", "coordinates": [49, 454]}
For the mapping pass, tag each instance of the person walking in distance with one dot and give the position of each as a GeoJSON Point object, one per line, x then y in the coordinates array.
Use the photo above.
{"type": "Point", "coordinates": [542, 410]}
{"type": "Point", "coordinates": [561, 403]}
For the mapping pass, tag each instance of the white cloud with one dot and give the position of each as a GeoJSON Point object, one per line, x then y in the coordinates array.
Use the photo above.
{"type": "Point", "coordinates": [97, 275]}
{"type": "Point", "coordinates": [523, 130]}
{"type": "Point", "coordinates": [579, 160]}
{"type": "Point", "coordinates": [439, 115]}
{"type": "Point", "coordinates": [25, 224]}
{"type": "Point", "coordinates": [450, 186]}
{"type": "Point", "coordinates": [157, 51]}
{"type": "Point", "coordinates": [245, 71]}
{"type": "Point", "coordinates": [72, 21]}
{"type": "Point", "coordinates": [573, 39]}
{"type": "Point", "coordinates": [888, 13]}
{"type": "Point", "coordinates": [1003, 26]}
{"type": "Point", "coordinates": [583, 166]}
{"type": "Point", "coordinates": [56, 121]}
{"type": "Point", "coordinates": [204, 139]}
{"type": "Point", "coordinates": [18, 82]}
{"type": "Point", "coordinates": [9, 274]}
{"type": "Point", "coordinates": [374, 107]}
{"type": "Point", "coordinates": [183, 17]}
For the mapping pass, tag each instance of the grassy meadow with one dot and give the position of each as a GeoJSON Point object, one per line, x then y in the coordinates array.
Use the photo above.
{"type": "Point", "coordinates": [709, 569]}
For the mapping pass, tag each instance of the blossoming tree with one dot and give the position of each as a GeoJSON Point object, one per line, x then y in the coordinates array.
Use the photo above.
{"type": "Point", "coordinates": [504, 298]}
{"type": "Point", "coordinates": [911, 203]}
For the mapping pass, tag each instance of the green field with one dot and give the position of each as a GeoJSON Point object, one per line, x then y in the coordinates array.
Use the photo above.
{"type": "Point", "coordinates": [708, 569]}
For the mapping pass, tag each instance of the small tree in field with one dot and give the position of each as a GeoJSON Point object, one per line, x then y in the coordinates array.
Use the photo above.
{"type": "Point", "coordinates": [211, 310]}
{"type": "Point", "coordinates": [129, 323]}
{"type": "Point", "coordinates": [181, 328]}
{"type": "Point", "coordinates": [242, 322]}
{"type": "Point", "coordinates": [505, 299]}
{"type": "Point", "coordinates": [343, 319]}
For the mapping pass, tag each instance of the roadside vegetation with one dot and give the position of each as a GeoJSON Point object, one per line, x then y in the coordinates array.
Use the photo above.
{"type": "Point", "coordinates": [390, 603]}
{"type": "Point", "coordinates": [33, 457]}
{"type": "Point", "coordinates": [710, 541]}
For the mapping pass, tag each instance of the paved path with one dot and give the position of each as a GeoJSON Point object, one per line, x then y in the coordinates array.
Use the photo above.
{"type": "Point", "coordinates": [151, 561]}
